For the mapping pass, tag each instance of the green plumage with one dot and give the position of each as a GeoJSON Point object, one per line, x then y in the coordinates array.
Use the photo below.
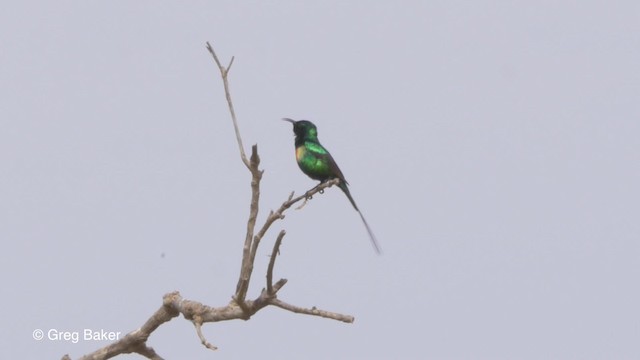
{"type": "Point", "coordinates": [315, 161]}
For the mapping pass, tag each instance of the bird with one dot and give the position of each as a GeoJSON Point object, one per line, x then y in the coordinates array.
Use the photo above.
{"type": "Point", "coordinates": [317, 163]}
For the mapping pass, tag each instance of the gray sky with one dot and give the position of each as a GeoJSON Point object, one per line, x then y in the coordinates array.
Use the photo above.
{"type": "Point", "coordinates": [492, 146]}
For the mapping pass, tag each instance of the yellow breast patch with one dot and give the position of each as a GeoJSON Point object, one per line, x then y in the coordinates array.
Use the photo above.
{"type": "Point", "coordinates": [300, 152]}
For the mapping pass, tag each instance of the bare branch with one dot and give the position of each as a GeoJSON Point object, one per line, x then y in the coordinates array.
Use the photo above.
{"type": "Point", "coordinates": [203, 340]}
{"type": "Point", "coordinates": [224, 72]}
{"type": "Point", "coordinates": [279, 214]}
{"type": "Point", "coordinates": [272, 261]}
{"type": "Point", "coordinates": [147, 352]}
{"type": "Point", "coordinates": [247, 257]}
{"type": "Point", "coordinates": [252, 246]}
{"type": "Point", "coordinates": [313, 311]}
{"type": "Point", "coordinates": [246, 267]}
{"type": "Point", "coordinates": [135, 341]}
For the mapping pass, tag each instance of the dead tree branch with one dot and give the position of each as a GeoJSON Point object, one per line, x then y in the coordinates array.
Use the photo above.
{"type": "Point", "coordinates": [225, 81]}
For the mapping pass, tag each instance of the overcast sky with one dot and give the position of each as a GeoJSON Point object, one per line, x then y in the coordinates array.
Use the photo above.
{"type": "Point", "coordinates": [492, 145]}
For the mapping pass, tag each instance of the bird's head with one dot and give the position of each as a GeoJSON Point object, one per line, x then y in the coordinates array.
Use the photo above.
{"type": "Point", "coordinates": [304, 129]}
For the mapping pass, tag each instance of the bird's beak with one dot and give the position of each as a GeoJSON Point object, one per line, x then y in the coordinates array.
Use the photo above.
{"type": "Point", "coordinates": [289, 120]}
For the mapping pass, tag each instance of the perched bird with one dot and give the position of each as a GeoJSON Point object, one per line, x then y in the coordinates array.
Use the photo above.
{"type": "Point", "coordinates": [315, 161]}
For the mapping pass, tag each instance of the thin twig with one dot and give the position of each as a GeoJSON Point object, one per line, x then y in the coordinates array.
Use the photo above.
{"type": "Point", "coordinates": [279, 214]}
{"type": "Point", "coordinates": [272, 261]}
{"type": "Point", "coordinates": [224, 72]}
{"type": "Point", "coordinates": [299, 207]}
{"type": "Point", "coordinates": [313, 311]}
{"type": "Point", "coordinates": [203, 340]}
{"type": "Point", "coordinates": [309, 194]}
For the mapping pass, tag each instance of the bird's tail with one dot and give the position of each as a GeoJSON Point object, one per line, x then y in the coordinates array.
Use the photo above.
{"type": "Point", "coordinates": [372, 237]}
{"type": "Point", "coordinates": [343, 186]}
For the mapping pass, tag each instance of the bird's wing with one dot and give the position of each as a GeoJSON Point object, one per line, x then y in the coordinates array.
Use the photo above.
{"type": "Point", "coordinates": [335, 169]}
{"type": "Point", "coordinates": [320, 153]}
